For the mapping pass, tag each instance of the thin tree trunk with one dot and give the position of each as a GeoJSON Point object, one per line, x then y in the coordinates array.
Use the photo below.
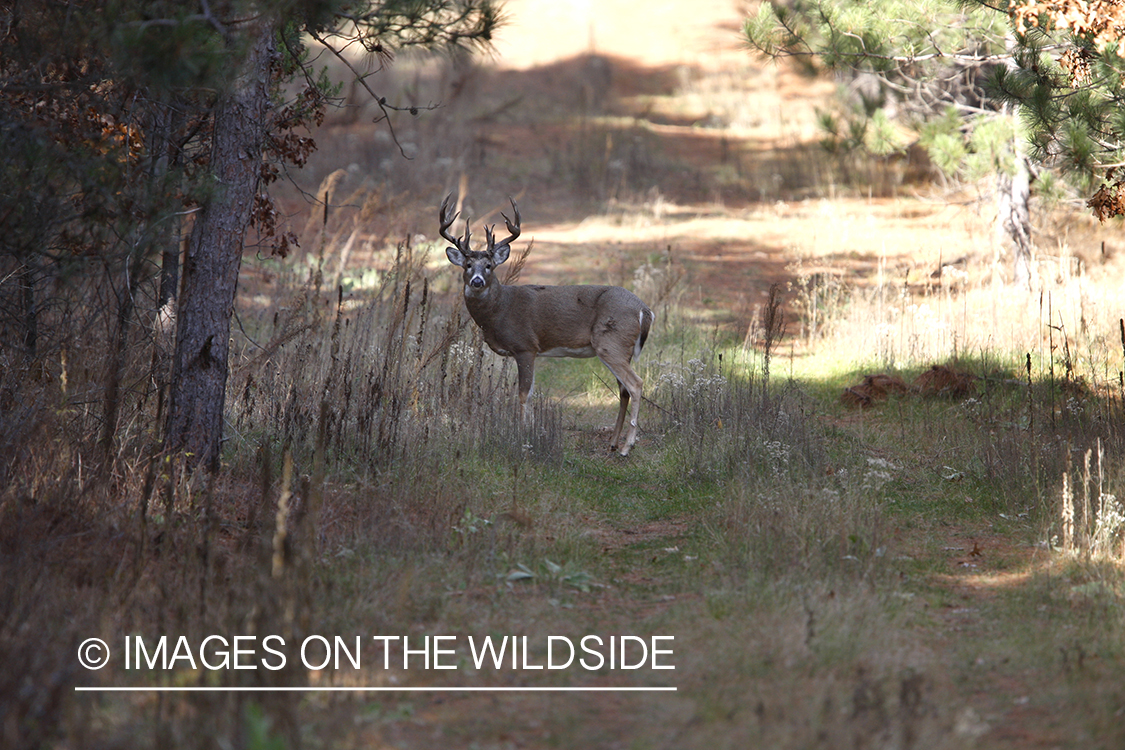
{"type": "Point", "coordinates": [1014, 205]}
{"type": "Point", "coordinates": [213, 259]}
{"type": "Point", "coordinates": [1014, 193]}
{"type": "Point", "coordinates": [167, 120]}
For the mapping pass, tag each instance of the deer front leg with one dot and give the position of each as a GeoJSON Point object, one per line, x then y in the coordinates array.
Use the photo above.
{"type": "Point", "coordinates": [525, 365]}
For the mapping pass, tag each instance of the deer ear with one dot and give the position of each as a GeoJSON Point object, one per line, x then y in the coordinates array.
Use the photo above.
{"type": "Point", "coordinates": [456, 257]}
{"type": "Point", "coordinates": [500, 253]}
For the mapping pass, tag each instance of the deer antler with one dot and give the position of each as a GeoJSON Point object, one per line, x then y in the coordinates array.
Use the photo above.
{"type": "Point", "coordinates": [513, 229]}
{"type": "Point", "coordinates": [447, 219]}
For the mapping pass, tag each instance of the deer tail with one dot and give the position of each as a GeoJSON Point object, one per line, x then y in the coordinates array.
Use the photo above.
{"type": "Point", "coordinates": [646, 318]}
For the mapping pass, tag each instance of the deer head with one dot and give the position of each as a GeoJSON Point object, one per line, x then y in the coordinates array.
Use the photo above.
{"type": "Point", "coordinates": [478, 265]}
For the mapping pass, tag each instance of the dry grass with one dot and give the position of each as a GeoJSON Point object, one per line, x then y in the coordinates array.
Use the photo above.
{"type": "Point", "coordinates": [377, 481]}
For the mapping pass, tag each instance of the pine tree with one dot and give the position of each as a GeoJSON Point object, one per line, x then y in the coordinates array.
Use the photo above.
{"type": "Point", "coordinates": [1069, 82]}
{"type": "Point", "coordinates": [118, 118]}
{"type": "Point", "coordinates": [975, 79]}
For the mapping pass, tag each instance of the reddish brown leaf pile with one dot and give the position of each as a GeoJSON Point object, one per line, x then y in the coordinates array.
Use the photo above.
{"type": "Point", "coordinates": [939, 380]}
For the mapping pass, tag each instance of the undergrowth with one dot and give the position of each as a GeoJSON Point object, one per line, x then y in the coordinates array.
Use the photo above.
{"type": "Point", "coordinates": [377, 479]}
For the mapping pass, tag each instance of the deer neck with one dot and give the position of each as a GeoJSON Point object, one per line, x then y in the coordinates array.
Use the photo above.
{"type": "Point", "coordinates": [485, 303]}
{"type": "Point", "coordinates": [489, 307]}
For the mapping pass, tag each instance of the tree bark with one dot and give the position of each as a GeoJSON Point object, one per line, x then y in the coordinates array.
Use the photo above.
{"type": "Point", "coordinates": [214, 257]}
{"type": "Point", "coordinates": [1014, 202]}
{"type": "Point", "coordinates": [1014, 192]}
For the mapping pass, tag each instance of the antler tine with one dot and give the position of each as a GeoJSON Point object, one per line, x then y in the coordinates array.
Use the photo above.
{"type": "Point", "coordinates": [447, 219]}
{"type": "Point", "coordinates": [513, 229]}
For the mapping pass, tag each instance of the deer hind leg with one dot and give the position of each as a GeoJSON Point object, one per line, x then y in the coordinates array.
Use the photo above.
{"type": "Point", "coordinates": [634, 390]}
{"type": "Point", "coordinates": [631, 385]}
{"type": "Point", "coordinates": [620, 415]}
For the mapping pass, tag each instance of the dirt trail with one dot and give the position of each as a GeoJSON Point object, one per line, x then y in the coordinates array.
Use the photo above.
{"type": "Point", "coordinates": [540, 32]}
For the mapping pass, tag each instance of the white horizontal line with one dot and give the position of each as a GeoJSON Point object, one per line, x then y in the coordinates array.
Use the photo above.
{"type": "Point", "coordinates": [160, 689]}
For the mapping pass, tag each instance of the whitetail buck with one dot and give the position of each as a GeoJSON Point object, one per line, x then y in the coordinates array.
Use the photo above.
{"type": "Point", "coordinates": [532, 321]}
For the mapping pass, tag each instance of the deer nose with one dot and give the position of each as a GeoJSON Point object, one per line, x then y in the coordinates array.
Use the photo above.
{"type": "Point", "coordinates": [476, 282]}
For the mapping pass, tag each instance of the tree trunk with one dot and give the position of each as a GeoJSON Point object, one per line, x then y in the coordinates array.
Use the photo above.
{"type": "Point", "coordinates": [1014, 191]}
{"type": "Point", "coordinates": [1014, 205]}
{"type": "Point", "coordinates": [166, 122]}
{"type": "Point", "coordinates": [167, 119]}
{"type": "Point", "coordinates": [213, 259]}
